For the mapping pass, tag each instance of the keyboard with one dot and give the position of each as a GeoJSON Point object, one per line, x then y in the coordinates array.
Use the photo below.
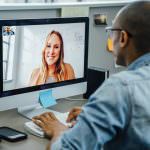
{"type": "Point", "coordinates": [34, 129]}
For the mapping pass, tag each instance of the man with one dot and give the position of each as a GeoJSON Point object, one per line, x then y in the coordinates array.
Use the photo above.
{"type": "Point", "coordinates": [117, 115]}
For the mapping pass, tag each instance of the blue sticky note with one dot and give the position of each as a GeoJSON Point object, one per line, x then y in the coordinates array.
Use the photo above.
{"type": "Point", "coordinates": [46, 99]}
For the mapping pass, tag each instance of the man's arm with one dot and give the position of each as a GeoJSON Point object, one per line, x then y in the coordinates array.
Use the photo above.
{"type": "Point", "coordinates": [106, 113]}
{"type": "Point", "coordinates": [51, 126]}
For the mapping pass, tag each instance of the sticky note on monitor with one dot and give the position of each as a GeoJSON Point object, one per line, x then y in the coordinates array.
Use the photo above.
{"type": "Point", "coordinates": [46, 99]}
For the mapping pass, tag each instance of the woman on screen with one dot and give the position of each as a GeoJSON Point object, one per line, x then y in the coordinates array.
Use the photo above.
{"type": "Point", "coordinates": [53, 68]}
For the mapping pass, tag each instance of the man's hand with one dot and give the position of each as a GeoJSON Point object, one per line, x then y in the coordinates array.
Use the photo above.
{"type": "Point", "coordinates": [49, 124]}
{"type": "Point", "coordinates": [73, 114]}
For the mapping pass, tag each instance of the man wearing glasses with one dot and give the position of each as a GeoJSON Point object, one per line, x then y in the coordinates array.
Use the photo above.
{"type": "Point", "coordinates": [117, 116]}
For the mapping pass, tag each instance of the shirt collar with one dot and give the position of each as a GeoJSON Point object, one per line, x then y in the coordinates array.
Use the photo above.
{"type": "Point", "coordinates": [143, 60]}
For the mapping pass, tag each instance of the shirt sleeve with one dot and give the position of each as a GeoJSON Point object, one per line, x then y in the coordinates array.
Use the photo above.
{"type": "Point", "coordinates": [106, 114]}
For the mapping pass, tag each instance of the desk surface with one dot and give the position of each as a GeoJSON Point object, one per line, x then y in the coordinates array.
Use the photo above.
{"type": "Point", "coordinates": [12, 119]}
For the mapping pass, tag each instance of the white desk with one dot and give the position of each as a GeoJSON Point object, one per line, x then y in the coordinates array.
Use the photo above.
{"type": "Point", "coordinates": [12, 119]}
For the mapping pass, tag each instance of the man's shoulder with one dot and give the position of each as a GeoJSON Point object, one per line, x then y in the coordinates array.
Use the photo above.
{"type": "Point", "coordinates": [130, 76]}
{"type": "Point", "coordinates": [118, 78]}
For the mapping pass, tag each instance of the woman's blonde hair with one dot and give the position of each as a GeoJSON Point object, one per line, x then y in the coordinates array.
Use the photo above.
{"type": "Point", "coordinates": [60, 72]}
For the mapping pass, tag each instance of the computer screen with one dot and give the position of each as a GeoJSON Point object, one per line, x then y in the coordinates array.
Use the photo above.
{"type": "Point", "coordinates": [38, 54]}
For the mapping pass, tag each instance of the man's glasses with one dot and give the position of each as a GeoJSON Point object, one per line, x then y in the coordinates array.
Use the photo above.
{"type": "Point", "coordinates": [109, 39]}
{"type": "Point", "coordinates": [110, 29]}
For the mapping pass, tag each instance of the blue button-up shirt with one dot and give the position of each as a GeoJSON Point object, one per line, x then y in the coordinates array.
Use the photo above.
{"type": "Point", "coordinates": [117, 116]}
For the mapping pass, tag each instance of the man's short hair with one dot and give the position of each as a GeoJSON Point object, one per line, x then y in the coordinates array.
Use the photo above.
{"type": "Point", "coordinates": [135, 18]}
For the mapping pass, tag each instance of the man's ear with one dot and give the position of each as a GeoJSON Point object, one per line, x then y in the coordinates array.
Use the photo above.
{"type": "Point", "coordinates": [124, 38]}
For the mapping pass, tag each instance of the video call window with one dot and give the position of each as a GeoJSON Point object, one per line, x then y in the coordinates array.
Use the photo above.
{"type": "Point", "coordinates": [42, 54]}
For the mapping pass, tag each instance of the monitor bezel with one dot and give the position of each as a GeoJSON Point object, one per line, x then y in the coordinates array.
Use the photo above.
{"type": "Point", "coordinates": [20, 22]}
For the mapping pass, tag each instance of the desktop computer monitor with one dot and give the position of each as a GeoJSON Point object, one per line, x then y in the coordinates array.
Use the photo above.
{"type": "Point", "coordinates": [41, 54]}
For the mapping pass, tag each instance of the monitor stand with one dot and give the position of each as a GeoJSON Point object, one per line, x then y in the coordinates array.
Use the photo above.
{"type": "Point", "coordinates": [45, 100]}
